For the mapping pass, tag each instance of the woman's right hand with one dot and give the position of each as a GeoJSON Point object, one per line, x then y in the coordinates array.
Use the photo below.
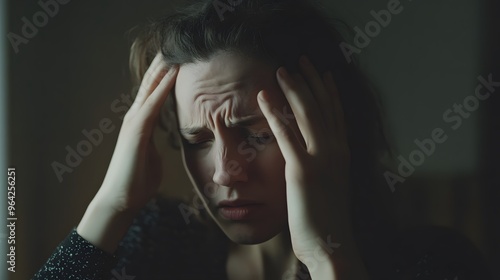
{"type": "Point", "coordinates": [135, 172]}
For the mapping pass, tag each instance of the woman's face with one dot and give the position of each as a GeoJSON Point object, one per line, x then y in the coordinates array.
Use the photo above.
{"type": "Point", "coordinates": [228, 148]}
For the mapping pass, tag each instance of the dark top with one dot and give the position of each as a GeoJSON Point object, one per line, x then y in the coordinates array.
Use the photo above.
{"type": "Point", "coordinates": [166, 241]}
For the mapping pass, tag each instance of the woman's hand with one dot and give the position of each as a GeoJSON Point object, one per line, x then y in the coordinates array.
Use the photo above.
{"type": "Point", "coordinates": [317, 160]}
{"type": "Point", "coordinates": [135, 171]}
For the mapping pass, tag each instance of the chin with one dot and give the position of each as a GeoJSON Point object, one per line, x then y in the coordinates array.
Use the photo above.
{"type": "Point", "coordinates": [250, 233]}
{"type": "Point", "coordinates": [260, 226]}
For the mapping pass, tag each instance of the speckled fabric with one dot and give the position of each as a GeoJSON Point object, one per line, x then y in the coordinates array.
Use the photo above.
{"type": "Point", "coordinates": [160, 245]}
{"type": "Point", "coordinates": [75, 258]}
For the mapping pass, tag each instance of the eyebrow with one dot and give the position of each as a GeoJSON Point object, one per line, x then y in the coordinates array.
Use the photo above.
{"type": "Point", "coordinates": [240, 122]}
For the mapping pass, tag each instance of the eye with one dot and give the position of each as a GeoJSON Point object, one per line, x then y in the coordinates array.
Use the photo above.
{"type": "Point", "coordinates": [196, 143]}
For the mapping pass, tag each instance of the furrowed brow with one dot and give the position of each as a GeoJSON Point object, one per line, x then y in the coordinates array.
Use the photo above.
{"type": "Point", "coordinates": [246, 121]}
{"type": "Point", "coordinates": [241, 122]}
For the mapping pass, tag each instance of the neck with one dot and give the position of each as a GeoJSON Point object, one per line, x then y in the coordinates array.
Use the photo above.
{"type": "Point", "coordinates": [267, 260]}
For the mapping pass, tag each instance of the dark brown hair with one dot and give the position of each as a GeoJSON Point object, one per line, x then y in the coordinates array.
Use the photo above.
{"type": "Point", "coordinates": [279, 32]}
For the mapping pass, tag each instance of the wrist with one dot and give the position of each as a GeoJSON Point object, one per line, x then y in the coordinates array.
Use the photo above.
{"type": "Point", "coordinates": [104, 226]}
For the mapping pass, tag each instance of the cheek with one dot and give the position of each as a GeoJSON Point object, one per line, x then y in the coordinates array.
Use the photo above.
{"type": "Point", "coordinates": [197, 165]}
{"type": "Point", "coordinates": [270, 173]}
{"type": "Point", "coordinates": [198, 168]}
{"type": "Point", "coordinates": [269, 168]}
{"type": "Point", "coordinates": [271, 161]}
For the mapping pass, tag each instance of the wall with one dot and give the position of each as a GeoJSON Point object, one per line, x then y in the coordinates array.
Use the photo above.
{"type": "Point", "coordinates": [67, 76]}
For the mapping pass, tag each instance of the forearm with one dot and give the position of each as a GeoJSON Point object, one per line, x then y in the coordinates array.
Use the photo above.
{"type": "Point", "coordinates": [103, 226]}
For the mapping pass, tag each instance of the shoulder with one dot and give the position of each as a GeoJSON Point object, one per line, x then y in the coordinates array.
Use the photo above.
{"type": "Point", "coordinates": [437, 253]}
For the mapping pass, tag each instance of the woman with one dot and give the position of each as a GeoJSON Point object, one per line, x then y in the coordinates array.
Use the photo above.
{"type": "Point", "coordinates": [282, 140]}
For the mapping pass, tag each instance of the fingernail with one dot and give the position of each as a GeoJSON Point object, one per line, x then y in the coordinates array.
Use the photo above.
{"type": "Point", "coordinates": [261, 96]}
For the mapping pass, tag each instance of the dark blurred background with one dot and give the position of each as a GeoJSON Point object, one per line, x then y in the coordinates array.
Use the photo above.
{"type": "Point", "coordinates": [71, 74]}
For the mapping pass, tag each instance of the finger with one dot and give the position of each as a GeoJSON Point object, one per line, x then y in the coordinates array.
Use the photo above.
{"type": "Point", "coordinates": [339, 120]}
{"type": "Point", "coordinates": [304, 108]}
{"type": "Point", "coordinates": [323, 97]}
{"type": "Point", "coordinates": [287, 140]}
{"type": "Point", "coordinates": [150, 110]}
{"type": "Point", "coordinates": [150, 81]}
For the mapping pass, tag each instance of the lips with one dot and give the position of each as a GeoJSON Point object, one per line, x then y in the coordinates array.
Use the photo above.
{"type": "Point", "coordinates": [237, 203]}
{"type": "Point", "coordinates": [238, 210]}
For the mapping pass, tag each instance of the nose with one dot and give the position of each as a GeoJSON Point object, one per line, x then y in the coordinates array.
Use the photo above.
{"type": "Point", "coordinates": [229, 165]}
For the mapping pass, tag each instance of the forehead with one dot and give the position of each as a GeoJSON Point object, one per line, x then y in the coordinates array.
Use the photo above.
{"type": "Point", "coordinates": [227, 85]}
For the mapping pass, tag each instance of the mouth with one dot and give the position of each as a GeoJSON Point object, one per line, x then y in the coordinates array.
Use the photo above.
{"type": "Point", "coordinates": [238, 210]}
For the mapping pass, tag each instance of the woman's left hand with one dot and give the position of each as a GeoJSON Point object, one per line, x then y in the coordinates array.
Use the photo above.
{"type": "Point", "coordinates": [317, 160]}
